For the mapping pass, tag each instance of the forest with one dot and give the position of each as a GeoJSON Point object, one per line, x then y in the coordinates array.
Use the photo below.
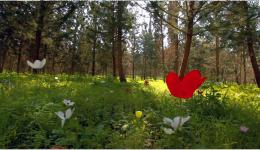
{"type": "Point", "coordinates": [129, 74]}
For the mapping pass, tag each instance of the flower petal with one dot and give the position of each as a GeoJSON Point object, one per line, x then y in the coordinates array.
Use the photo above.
{"type": "Point", "coordinates": [168, 130]}
{"type": "Point", "coordinates": [167, 121]}
{"type": "Point", "coordinates": [61, 115]}
{"type": "Point", "coordinates": [69, 112]}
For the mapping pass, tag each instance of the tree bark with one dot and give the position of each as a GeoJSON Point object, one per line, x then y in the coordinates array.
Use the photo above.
{"type": "Point", "coordinates": [173, 34]}
{"type": "Point", "coordinates": [189, 33]}
{"type": "Point", "coordinates": [94, 57]}
{"type": "Point", "coordinates": [114, 54]}
{"type": "Point", "coordinates": [162, 50]}
{"type": "Point", "coordinates": [120, 11]}
{"type": "Point", "coordinates": [19, 58]}
{"type": "Point", "coordinates": [38, 34]}
{"type": "Point", "coordinates": [133, 58]}
{"type": "Point", "coordinates": [244, 63]}
{"type": "Point", "coordinates": [217, 58]}
{"type": "Point", "coordinates": [113, 42]}
{"type": "Point", "coordinates": [249, 39]}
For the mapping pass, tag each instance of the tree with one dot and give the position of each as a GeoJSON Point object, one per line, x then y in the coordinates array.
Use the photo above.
{"type": "Point", "coordinates": [120, 10]}
{"type": "Point", "coordinates": [250, 42]}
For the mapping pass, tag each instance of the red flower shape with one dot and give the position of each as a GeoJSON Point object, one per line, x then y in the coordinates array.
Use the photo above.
{"type": "Point", "coordinates": [185, 87]}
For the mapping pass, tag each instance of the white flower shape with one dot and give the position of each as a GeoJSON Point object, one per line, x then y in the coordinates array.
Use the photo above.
{"type": "Point", "coordinates": [168, 130]}
{"type": "Point", "coordinates": [37, 64]}
{"type": "Point", "coordinates": [244, 129]}
{"type": "Point", "coordinates": [65, 115]}
{"type": "Point", "coordinates": [68, 102]}
{"type": "Point", "coordinates": [56, 78]}
{"type": "Point", "coordinates": [174, 123]}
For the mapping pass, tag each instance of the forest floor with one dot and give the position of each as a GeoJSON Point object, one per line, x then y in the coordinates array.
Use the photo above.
{"type": "Point", "coordinates": [104, 115]}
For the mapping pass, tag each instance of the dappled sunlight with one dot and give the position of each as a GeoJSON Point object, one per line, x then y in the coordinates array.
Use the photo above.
{"type": "Point", "coordinates": [128, 115]}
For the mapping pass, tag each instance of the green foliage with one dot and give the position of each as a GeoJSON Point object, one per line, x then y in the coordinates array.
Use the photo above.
{"type": "Point", "coordinates": [104, 114]}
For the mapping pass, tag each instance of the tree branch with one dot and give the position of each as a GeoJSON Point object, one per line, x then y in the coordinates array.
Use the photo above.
{"type": "Point", "coordinates": [162, 19]}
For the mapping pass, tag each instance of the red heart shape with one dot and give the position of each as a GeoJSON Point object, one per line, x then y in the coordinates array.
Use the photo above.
{"type": "Point", "coordinates": [185, 87]}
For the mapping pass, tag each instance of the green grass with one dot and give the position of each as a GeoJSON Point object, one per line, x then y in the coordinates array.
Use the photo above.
{"type": "Point", "coordinates": [104, 114]}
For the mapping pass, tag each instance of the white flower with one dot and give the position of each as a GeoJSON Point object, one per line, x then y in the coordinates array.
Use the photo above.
{"type": "Point", "coordinates": [37, 64]}
{"type": "Point", "coordinates": [56, 78]}
{"type": "Point", "coordinates": [124, 127]}
{"type": "Point", "coordinates": [243, 129]}
{"type": "Point", "coordinates": [168, 130]}
{"type": "Point", "coordinates": [68, 102]}
{"type": "Point", "coordinates": [64, 116]}
{"type": "Point", "coordinates": [176, 122]}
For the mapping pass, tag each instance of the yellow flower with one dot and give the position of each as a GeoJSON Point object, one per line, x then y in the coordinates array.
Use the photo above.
{"type": "Point", "coordinates": [204, 94]}
{"type": "Point", "coordinates": [138, 114]}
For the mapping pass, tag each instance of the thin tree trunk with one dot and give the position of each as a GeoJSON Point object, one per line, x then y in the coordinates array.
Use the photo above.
{"type": "Point", "coordinates": [189, 33]}
{"type": "Point", "coordinates": [53, 63]}
{"type": "Point", "coordinates": [19, 58]}
{"type": "Point", "coordinates": [38, 34]}
{"type": "Point", "coordinates": [253, 58]}
{"type": "Point", "coordinates": [114, 54]}
{"type": "Point", "coordinates": [119, 41]}
{"type": "Point", "coordinates": [162, 50]}
{"type": "Point", "coordinates": [249, 39]}
{"type": "Point", "coordinates": [173, 34]}
{"type": "Point", "coordinates": [2, 62]}
{"type": "Point", "coordinates": [240, 65]}
{"type": "Point", "coordinates": [217, 58]}
{"type": "Point", "coordinates": [244, 63]}
{"type": "Point", "coordinates": [94, 57]}
{"type": "Point", "coordinates": [133, 58]}
{"type": "Point", "coordinates": [113, 42]}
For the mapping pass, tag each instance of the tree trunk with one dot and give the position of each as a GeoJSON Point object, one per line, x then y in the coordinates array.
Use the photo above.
{"type": "Point", "coordinates": [173, 34]}
{"type": "Point", "coordinates": [38, 34]}
{"type": "Point", "coordinates": [133, 58]}
{"type": "Point", "coordinates": [2, 60]}
{"type": "Point", "coordinates": [53, 63]}
{"type": "Point", "coordinates": [244, 63]}
{"type": "Point", "coordinates": [249, 39]}
{"type": "Point", "coordinates": [114, 54]}
{"type": "Point", "coordinates": [217, 58]}
{"type": "Point", "coordinates": [94, 57]}
{"type": "Point", "coordinates": [113, 33]}
{"type": "Point", "coordinates": [253, 58]}
{"type": "Point", "coordinates": [162, 50]}
{"type": "Point", "coordinates": [19, 58]}
{"type": "Point", "coordinates": [120, 11]}
{"type": "Point", "coordinates": [189, 33]}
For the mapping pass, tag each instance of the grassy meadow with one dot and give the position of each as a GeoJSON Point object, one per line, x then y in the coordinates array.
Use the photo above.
{"type": "Point", "coordinates": [104, 115]}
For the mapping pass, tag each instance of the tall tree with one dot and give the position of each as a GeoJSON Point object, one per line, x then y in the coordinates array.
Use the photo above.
{"type": "Point", "coordinates": [120, 10]}
{"type": "Point", "coordinates": [173, 34]}
{"type": "Point", "coordinates": [250, 42]}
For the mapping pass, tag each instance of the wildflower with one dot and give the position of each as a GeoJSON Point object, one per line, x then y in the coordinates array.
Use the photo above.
{"type": "Point", "coordinates": [176, 122]}
{"type": "Point", "coordinates": [37, 64]}
{"type": "Point", "coordinates": [146, 82]}
{"type": "Point", "coordinates": [56, 78]}
{"type": "Point", "coordinates": [124, 127]}
{"type": "Point", "coordinates": [168, 130]}
{"type": "Point", "coordinates": [64, 115]}
{"type": "Point", "coordinates": [138, 114]}
{"type": "Point", "coordinates": [243, 129]}
{"type": "Point", "coordinates": [68, 102]}
{"type": "Point", "coordinates": [186, 86]}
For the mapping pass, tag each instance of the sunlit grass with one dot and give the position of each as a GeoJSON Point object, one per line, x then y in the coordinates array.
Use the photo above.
{"type": "Point", "coordinates": [105, 116]}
